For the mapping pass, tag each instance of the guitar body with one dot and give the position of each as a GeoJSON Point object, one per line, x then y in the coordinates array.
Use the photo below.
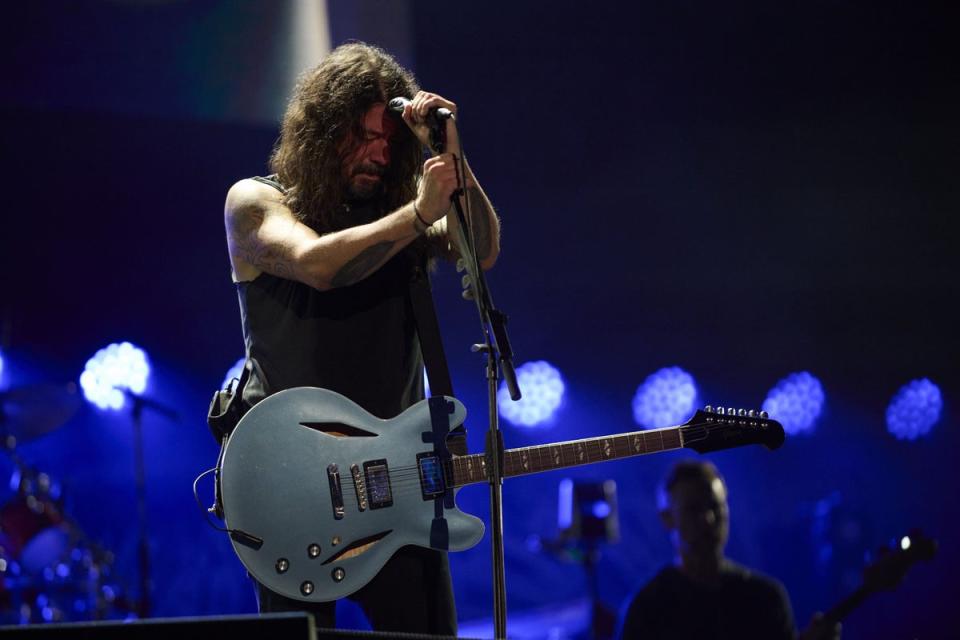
{"type": "Point", "coordinates": [319, 494]}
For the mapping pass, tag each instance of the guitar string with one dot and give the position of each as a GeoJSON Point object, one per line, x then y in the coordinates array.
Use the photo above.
{"type": "Point", "coordinates": [696, 430]}
{"type": "Point", "coordinates": [409, 475]}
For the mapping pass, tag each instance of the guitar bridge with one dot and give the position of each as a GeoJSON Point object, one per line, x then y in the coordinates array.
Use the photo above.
{"type": "Point", "coordinates": [359, 486]}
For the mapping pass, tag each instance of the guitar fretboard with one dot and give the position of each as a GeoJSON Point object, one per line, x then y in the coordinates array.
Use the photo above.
{"type": "Point", "coordinates": [472, 468]}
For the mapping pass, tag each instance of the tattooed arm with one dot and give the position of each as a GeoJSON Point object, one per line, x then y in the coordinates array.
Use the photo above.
{"type": "Point", "coordinates": [264, 236]}
{"type": "Point", "coordinates": [483, 220]}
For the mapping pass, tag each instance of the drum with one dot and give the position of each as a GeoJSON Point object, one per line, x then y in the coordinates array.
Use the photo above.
{"type": "Point", "coordinates": [33, 532]}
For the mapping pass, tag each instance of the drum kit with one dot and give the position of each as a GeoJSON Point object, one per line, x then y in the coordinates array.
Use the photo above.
{"type": "Point", "coordinates": [50, 570]}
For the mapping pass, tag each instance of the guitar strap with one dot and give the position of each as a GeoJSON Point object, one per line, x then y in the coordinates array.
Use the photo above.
{"type": "Point", "coordinates": [431, 346]}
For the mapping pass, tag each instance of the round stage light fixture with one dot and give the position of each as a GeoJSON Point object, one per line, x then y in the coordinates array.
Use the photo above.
{"type": "Point", "coordinates": [543, 390]}
{"type": "Point", "coordinates": [796, 402]}
{"type": "Point", "coordinates": [113, 370]}
{"type": "Point", "coordinates": [666, 398]}
{"type": "Point", "coordinates": [914, 409]}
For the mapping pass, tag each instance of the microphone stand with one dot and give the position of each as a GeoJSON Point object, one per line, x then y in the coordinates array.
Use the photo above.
{"type": "Point", "coordinates": [143, 549]}
{"type": "Point", "coordinates": [496, 346]}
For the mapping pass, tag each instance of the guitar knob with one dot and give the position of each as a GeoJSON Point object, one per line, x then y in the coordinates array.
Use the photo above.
{"type": "Point", "coordinates": [338, 574]}
{"type": "Point", "coordinates": [282, 565]}
{"type": "Point", "coordinates": [306, 588]}
{"type": "Point", "coordinates": [313, 550]}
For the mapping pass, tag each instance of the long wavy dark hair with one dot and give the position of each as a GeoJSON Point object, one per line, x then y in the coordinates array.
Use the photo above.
{"type": "Point", "coordinates": [323, 124]}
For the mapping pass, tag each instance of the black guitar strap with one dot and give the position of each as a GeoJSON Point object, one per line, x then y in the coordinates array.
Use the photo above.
{"type": "Point", "coordinates": [431, 346]}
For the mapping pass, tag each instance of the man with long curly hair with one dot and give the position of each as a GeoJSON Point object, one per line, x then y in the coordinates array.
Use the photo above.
{"type": "Point", "coordinates": [322, 253]}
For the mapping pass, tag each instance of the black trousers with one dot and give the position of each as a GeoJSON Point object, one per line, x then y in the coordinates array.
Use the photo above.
{"type": "Point", "coordinates": [412, 593]}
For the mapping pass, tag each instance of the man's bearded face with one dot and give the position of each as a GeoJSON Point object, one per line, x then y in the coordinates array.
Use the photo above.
{"type": "Point", "coordinates": [365, 166]}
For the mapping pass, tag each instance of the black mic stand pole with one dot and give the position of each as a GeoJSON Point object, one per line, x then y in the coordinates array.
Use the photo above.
{"type": "Point", "coordinates": [497, 347]}
{"type": "Point", "coordinates": [143, 549]}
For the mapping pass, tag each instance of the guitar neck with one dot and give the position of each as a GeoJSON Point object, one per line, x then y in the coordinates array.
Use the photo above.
{"type": "Point", "coordinates": [846, 606]}
{"type": "Point", "coordinates": [470, 469]}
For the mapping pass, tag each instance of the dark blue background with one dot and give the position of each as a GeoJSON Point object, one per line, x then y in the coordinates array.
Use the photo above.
{"type": "Point", "coordinates": [743, 190]}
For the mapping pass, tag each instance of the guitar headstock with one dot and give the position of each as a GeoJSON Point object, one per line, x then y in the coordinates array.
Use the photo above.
{"type": "Point", "coordinates": [713, 429]}
{"type": "Point", "coordinates": [893, 562]}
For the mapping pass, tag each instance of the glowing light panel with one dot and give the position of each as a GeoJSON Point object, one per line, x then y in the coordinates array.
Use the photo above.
{"type": "Point", "coordinates": [914, 409]}
{"type": "Point", "coordinates": [666, 398]}
{"type": "Point", "coordinates": [543, 390]}
{"type": "Point", "coordinates": [796, 402]}
{"type": "Point", "coordinates": [233, 372]}
{"type": "Point", "coordinates": [110, 371]}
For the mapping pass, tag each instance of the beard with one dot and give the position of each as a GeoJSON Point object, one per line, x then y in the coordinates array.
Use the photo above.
{"type": "Point", "coordinates": [365, 182]}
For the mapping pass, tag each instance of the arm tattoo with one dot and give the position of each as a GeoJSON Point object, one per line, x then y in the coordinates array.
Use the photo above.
{"type": "Point", "coordinates": [480, 223]}
{"type": "Point", "coordinates": [243, 237]}
{"type": "Point", "coordinates": [362, 264]}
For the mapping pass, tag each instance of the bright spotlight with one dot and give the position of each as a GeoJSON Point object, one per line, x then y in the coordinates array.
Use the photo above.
{"type": "Point", "coordinates": [796, 402]}
{"type": "Point", "coordinates": [112, 370]}
{"type": "Point", "coordinates": [233, 372]}
{"type": "Point", "coordinates": [905, 542]}
{"type": "Point", "coordinates": [543, 391]}
{"type": "Point", "coordinates": [666, 398]}
{"type": "Point", "coordinates": [914, 410]}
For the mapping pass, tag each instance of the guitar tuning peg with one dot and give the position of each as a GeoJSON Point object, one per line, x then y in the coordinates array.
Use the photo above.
{"type": "Point", "coordinates": [731, 411]}
{"type": "Point", "coordinates": [721, 411]}
{"type": "Point", "coordinates": [708, 409]}
{"type": "Point", "coordinates": [461, 265]}
{"type": "Point", "coordinates": [751, 414]}
{"type": "Point", "coordinates": [764, 415]}
{"type": "Point", "coordinates": [742, 413]}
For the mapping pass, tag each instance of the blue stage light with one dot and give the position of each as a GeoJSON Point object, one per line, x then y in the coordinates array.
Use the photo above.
{"type": "Point", "coordinates": [600, 509]}
{"type": "Point", "coordinates": [543, 390]}
{"type": "Point", "coordinates": [112, 370]}
{"type": "Point", "coordinates": [914, 410]}
{"type": "Point", "coordinates": [666, 398]}
{"type": "Point", "coordinates": [1, 369]}
{"type": "Point", "coordinates": [233, 372]}
{"type": "Point", "coordinates": [796, 402]}
{"type": "Point", "coordinates": [426, 385]}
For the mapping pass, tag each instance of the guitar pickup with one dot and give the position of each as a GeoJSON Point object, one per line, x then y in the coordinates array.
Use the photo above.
{"type": "Point", "coordinates": [431, 475]}
{"type": "Point", "coordinates": [377, 476]}
{"type": "Point", "coordinates": [336, 491]}
{"type": "Point", "coordinates": [359, 486]}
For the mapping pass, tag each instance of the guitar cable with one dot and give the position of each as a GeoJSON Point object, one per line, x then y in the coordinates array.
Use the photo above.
{"type": "Point", "coordinates": [239, 535]}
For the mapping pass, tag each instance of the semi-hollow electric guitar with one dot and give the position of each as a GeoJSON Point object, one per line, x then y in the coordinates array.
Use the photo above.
{"type": "Point", "coordinates": [318, 494]}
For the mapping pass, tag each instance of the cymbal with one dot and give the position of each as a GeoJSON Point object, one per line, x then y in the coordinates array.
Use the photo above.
{"type": "Point", "coordinates": [31, 411]}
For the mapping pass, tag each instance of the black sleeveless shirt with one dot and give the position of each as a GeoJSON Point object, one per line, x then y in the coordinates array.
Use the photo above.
{"type": "Point", "coordinates": [360, 340]}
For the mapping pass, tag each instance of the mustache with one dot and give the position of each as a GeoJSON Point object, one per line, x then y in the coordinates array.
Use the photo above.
{"type": "Point", "coordinates": [368, 168]}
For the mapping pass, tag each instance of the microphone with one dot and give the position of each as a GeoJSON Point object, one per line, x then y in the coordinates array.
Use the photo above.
{"type": "Point", "coordinates": [436, 115]}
